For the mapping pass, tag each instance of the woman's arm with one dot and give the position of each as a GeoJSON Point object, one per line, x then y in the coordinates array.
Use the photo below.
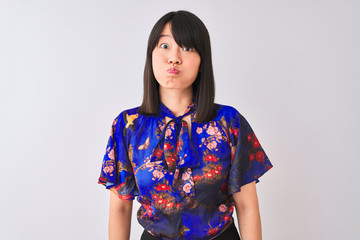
{"type": "Point", "coordinates": [247, 210]}
{"type": "Point", "coordinates": [119, 217]}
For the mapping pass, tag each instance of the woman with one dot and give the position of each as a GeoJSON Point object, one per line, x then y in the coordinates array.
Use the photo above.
{"type": "Point", "coordinates": [189, 160]}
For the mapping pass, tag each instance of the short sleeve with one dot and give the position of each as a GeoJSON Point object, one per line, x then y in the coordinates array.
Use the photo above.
{"type": "Point", "coordinates": [116, 170]}
{"type": "Point", "coordinates": [248, 159]}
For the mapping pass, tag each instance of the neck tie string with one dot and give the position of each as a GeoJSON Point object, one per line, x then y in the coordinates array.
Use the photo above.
{"type": "Point", "coordinates": [175, 141]}
{"type": "Point", "coordinates": [178, 155]}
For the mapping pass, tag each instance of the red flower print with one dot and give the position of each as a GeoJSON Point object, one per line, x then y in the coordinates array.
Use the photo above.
{"type": "Point", "coordinates": [162, 187]}
{"type": "Point", "coordinates": [149, 212]}
{"type": "Point", "coordinates": [260, 156]}
{"type": "Point", "coordinates": [167, 146]}
{"type": "Point", "coordinates": [219, 167]}
{"type": "Point", "coordinates": [251, 157]}
{"type": "Point", "coordinates": [158, 152]}
{"type": "Point", "coordinates": [169, 205]}
{"type": "Point", "coordinates": [155, 196]}
{"type": "Point", "coordinates": [178, 146]}
{"type": "Point", "coordinates": [161, 201]}
{"type": "Point", "coordinates": [226, 218]}
{"type": "Point", "coordinates": [255, 143]}
{"type": "Point", "coordinates": [210, 158]}
{"type": "Point", "coordinates": [208, 175]}
{"type": "Point", "coordinates": [170, 160]}
{"type": "Point", "coordinates": [178, 205]}
{"type": "Point", "coordinates": [196, 178]}
{"type": "Point", "coordinates": [215, 171]}
{"type": "Point", "coordinates": [212, 231]}
{"type": "Point", "coordinates": [235, 132]}
{"type": "Point", "coordinates": [249, 137]}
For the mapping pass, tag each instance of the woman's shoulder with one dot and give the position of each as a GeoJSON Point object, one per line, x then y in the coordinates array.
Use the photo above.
{"type": "Point", "coordinates": [226, 111]}
{"type": "Point", "coordinates": [125, 116]}
{"type": "Point", "coordinates": [127, 112]}
{"type": "Point", "coordinates": [131, 111]}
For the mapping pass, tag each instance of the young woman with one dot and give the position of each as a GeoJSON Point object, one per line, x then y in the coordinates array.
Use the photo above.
{"type": "Point", "coordinates": [188, 160]}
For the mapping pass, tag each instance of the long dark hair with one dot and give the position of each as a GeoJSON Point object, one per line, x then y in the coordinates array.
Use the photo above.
{"type": "Point", "coordinates": [188, 31]}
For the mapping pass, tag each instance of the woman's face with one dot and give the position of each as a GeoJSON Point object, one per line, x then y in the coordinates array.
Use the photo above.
{"type": "Point", "coordinates": [174, 67]}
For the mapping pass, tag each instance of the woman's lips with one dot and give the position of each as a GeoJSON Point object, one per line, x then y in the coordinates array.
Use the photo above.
{"type": "Point", "coordinates": [173, 71]}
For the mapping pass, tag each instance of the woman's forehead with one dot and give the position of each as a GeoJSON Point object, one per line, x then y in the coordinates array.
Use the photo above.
{"type": "Point", "coordinates": [166, 30]}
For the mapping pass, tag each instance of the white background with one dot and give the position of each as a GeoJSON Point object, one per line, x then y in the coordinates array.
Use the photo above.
{"type": "Point", "coordinates": [68, 68]}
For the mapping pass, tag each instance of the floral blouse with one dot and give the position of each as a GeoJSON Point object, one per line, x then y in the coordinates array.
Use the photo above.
{"type": "Point", "coordinates": [183, 181]}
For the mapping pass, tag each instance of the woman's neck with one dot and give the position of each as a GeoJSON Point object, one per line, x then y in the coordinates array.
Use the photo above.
{"type": "Point", "coordinates": [176, 100]}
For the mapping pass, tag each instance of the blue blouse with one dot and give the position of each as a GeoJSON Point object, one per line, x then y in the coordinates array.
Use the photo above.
{"type": "Point", "coordinates": [183, 181]}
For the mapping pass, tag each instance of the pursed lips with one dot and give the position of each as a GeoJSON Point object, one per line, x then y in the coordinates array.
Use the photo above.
{"type": "Point", "coordinates": [173, 71]}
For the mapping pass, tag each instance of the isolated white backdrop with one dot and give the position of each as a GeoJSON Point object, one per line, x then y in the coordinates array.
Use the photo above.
{"type": "Point", "coordinates": [67, 68]}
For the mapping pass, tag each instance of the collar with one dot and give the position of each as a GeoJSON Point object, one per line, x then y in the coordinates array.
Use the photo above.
{"type": "Point", "coordinates": [165, 111]}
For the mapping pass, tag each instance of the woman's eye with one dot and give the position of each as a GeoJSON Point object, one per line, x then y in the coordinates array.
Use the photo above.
{"type": "Point", "coordinates": [164, 45]}
{"type": "Point", "coordinates": [187, 49]}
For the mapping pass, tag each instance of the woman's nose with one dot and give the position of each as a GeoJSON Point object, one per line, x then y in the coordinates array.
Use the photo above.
{"type": "Point", "coordinates": [174, 57]}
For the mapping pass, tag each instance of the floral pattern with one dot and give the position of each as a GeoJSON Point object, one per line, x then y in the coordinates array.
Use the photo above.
{"type": "Point", "coordinates": [184, 184]}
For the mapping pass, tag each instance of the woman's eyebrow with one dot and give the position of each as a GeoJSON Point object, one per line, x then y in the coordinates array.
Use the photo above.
{"type": "Point", "coordinates": [165, 35]}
